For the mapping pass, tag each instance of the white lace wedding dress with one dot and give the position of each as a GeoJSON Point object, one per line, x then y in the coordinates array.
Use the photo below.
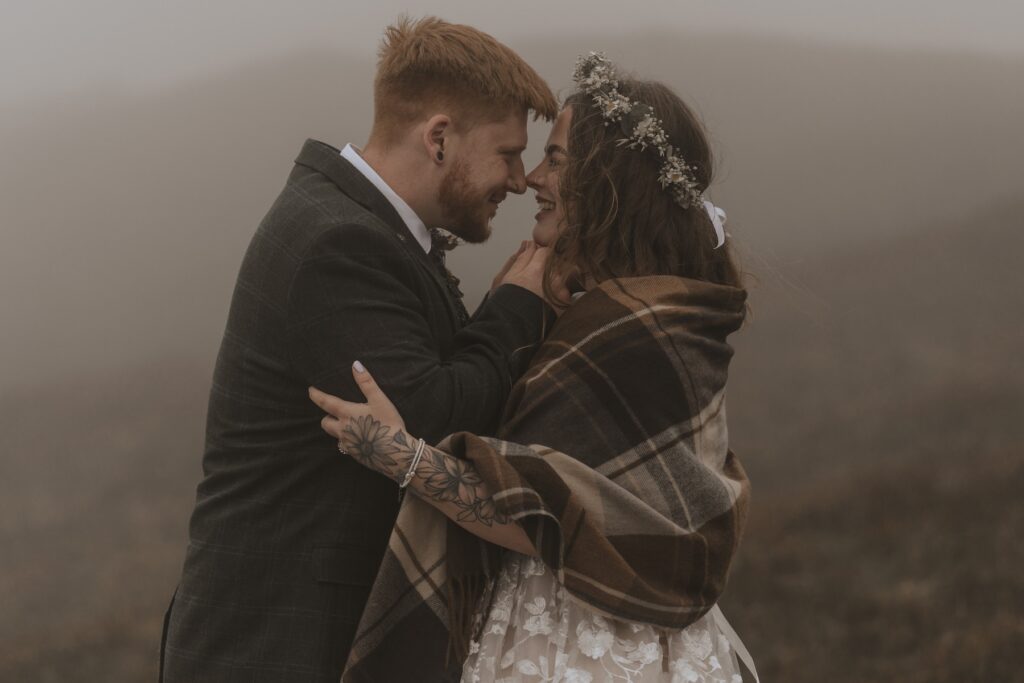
{"type": "Point", "coordinates": [535, 631]}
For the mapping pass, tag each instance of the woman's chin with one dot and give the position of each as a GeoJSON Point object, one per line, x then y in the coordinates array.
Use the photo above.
{"type": "Point", "coordinates": [543, 234]}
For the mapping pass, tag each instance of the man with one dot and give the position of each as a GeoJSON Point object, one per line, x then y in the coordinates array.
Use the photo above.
{"type": "Point", "coordinates": [287, 534]}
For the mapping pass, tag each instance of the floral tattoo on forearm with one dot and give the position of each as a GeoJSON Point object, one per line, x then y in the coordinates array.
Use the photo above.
{"type": "Point", "coordinates": [449, 479]}
{"type": "Point", "coordinates": [444, 477]}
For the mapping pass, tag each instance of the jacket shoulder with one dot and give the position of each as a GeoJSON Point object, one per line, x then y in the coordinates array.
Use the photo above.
{"type": "Point", "coordinates": [311, 209]}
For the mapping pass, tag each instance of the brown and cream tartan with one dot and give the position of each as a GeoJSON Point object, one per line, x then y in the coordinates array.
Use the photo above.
{"type": "Point", "coordinates": [613, 457]}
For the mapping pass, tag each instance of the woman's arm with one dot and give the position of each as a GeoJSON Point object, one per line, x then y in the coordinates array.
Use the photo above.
{"type": "Point", "coordinates": [374, 434]}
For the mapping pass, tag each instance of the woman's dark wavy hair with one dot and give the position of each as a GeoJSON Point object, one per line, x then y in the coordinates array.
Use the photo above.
{"type": "Point", "coordinates": [619, 221]}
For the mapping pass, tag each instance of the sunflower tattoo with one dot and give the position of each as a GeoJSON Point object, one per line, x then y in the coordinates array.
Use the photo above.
{"type": "Point", "coordinates": [366, 439]}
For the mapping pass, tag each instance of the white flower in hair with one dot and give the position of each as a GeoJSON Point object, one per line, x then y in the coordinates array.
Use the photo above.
{"type": "Point", "coordinates": [612, 108]}
{"type": "Point", "coordinates": [672, 175]}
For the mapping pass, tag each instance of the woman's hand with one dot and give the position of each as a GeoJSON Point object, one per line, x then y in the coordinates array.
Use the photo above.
{"type": "Point", "coordinates": [373, 432]}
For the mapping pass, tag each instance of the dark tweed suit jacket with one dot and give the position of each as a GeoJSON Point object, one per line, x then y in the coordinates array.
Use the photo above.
{"type": "Point", "coordinates": [287, 534]}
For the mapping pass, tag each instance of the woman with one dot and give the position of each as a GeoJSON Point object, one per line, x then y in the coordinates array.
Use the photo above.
{"type": "Point", "coordinates": [611, 486]}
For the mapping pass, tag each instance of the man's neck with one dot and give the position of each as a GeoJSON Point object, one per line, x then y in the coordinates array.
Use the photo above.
{"type": "Point", "coordinates": [396, 170]}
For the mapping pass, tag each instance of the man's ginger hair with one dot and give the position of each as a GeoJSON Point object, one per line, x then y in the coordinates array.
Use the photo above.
{"type": "Point", "coordinates": [430, 66]}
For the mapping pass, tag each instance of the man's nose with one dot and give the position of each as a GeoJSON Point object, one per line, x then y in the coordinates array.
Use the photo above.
{"type": "Point", "coordinates": [517, 179]}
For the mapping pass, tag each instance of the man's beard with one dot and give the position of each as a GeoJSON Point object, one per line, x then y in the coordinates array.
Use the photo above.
{"type": "Point", "coordinates": [460, 209]}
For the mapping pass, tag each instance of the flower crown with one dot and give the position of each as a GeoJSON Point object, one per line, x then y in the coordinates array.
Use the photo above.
{"type": "Point", "coordinates": [595, 76]}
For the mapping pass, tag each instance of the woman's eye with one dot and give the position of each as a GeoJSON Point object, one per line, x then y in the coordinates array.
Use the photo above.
{"type": "Point", "coordinates": [552, 162]}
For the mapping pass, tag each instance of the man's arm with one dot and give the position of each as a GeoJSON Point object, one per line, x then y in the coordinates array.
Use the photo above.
{"type": "Point", "coordinates": [355, 296]}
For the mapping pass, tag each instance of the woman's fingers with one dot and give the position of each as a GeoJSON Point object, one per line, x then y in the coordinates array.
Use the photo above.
{"type": "Point", "coordinates": [338, 411]}
{"type": "Point", "coordinates": [331, 404]}
{"type": "Point", "coordinates": [341, 412]}
{"type": "Point", "coordinates": [377, 402]}
{"type": "Point", "coordinates": [342, 409]}
{"type": "Point", "coordinates": [366, 383]}
{"type": "Point", "coordinates": [332, 426]}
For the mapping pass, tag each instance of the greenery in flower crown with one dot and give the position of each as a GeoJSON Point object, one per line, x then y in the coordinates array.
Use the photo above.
{"type": "Point", "coordinates": [595, 76]}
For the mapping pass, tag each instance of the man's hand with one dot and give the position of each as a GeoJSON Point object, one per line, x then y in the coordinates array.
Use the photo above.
{"type": "Point", "coordinates": [526, 270]}
{"type": "Point", "coordinates": [508, 265]}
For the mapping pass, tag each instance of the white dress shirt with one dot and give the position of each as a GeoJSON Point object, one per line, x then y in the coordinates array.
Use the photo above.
{"type": "Point", "coordinates": [412, 221]}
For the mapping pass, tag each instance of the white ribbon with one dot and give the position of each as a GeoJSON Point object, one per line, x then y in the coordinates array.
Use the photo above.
{"type": "Point", "coordinates": [737, 645]}
{"type": "Point", "coordinates": [717, 217]}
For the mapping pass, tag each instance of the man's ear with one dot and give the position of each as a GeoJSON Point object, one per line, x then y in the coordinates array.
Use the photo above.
{"type": "Point", "coordinates": [434, 134]}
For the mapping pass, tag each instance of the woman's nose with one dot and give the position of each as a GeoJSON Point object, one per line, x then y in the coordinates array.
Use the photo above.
{"type": "Point", "coordinates": [536, 177]}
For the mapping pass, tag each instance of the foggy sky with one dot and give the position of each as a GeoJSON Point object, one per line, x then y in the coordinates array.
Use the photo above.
{"type": "Point", "coordinates": [50, 46]}
{"type": "Point", "coordinates": [143, 143]}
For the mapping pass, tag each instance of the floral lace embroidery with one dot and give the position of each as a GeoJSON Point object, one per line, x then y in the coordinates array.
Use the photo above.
{"type": "Point", "coordinates": [534, 632]}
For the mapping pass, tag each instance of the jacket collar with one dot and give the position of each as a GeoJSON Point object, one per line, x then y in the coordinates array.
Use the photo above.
{"type": "Point", "coordinates": [325, 159]}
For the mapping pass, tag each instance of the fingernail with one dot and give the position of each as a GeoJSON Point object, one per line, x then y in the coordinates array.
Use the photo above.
{"type": "Point", "coordinates": [359, 367]}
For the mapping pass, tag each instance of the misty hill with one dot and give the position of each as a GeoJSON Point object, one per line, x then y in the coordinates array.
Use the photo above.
{"type": "Point", "coordinates": [125, 214]}
{"type": "Point", "coordinates": [875, 400]}
{"type": "Point", "coordinates": [910, 345]}
{"type": "Point", "coordinates": [96, 482]}
{"type": "Point", "coordinates": [902, 572]}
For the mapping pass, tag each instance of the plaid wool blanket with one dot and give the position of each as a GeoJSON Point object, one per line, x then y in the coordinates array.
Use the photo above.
{"type": "Point", "coordinates": [613, 457]}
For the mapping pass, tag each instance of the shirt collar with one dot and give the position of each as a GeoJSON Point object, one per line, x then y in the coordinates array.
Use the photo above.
{"type": "Point", "coordinates": [412, 221]}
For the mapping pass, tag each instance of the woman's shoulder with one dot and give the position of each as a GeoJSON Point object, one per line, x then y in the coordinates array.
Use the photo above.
{"type": "Point", "coordinates": [617, 297]}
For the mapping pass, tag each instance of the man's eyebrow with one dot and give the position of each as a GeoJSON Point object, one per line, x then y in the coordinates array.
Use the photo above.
{"type": "Point", "coordinates": [551, 149]}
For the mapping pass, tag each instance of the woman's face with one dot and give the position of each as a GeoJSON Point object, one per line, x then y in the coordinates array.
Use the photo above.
{"type": "Point", "coordinates": [544, 180]}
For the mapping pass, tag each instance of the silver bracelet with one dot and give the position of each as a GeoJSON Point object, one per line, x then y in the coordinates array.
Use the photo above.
{"type": "Point", "coordinates": [421, 446]}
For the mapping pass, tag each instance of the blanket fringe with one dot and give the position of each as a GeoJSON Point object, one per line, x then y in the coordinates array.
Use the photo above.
{"type": "Point", "coordinates": [464, 594]}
